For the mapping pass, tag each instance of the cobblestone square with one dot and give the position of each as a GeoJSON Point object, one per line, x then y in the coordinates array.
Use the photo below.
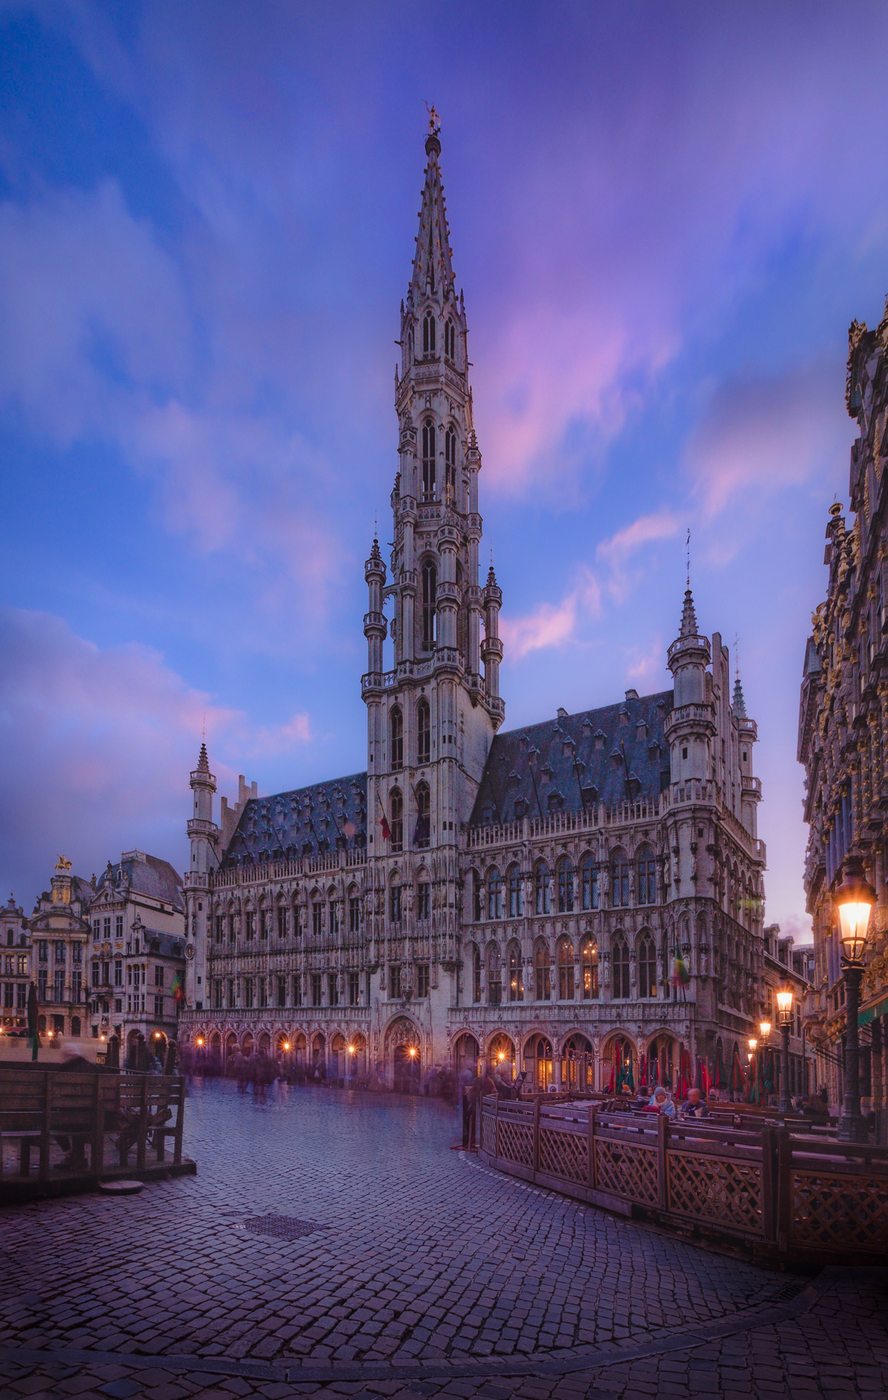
{"type": "Point", "coordinates": [331, 1244]}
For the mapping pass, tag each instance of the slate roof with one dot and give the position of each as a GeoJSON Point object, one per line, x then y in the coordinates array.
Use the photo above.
{"type": "Point", "coordinates": [305, 822]}
{"type": "Point", "coordinates": [607, 755]}
{"type": "Point", "coordinates": [150, 876]}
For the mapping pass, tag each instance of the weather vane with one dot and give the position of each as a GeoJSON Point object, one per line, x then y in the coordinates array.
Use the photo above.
{"type": "Point", "coordinates": [434, 119]}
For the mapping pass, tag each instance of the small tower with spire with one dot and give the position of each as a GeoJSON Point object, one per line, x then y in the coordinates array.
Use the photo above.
{"type": "Point", "coordinates": [690, 727]}
{"type": "Point", "coordinates": [203, 837]}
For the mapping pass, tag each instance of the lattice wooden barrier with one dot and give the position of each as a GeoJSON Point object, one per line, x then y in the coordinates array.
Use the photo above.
{"type": "Point", "coordinates": [488, 1134]}
{"type": "Point", "coordinates": [514, 1141]}
{"type": "Point", "coordinates": [842, 1213]}
{"type": "Point", "coordinates": [627, 1171]}
{"type": "Point", "coordinates": [715, 1188]}
{"type": "Point", "coordinates": [565, 1155]}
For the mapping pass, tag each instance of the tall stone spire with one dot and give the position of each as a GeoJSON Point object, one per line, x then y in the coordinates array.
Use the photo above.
{"type": "Point", "coordinates": [433, 260]}
{"type": "Point", "coordinates": [688, 626]}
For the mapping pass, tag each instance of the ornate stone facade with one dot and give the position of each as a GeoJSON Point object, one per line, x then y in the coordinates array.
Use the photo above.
{"type": "Point", "coordinates": [843, 732]}
{"type": "Point", "coordinates": [566, 899]}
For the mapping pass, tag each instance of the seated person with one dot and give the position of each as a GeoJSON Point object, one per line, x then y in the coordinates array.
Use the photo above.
{"type": "Point", "coordinates": [694, 1106]}
{"type": "Point", "coordinates": [661, 1102]}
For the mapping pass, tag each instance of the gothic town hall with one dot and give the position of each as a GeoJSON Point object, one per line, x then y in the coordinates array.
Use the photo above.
{"type": "Point", "coordinates": [573, 899]}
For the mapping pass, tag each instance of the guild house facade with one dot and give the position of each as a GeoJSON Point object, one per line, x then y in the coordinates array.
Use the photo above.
{"type": "Point", "coordinates": [580, 899]}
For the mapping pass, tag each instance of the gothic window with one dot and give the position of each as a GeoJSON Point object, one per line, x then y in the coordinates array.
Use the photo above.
{"type": "Point", "coordinates": [450, 463]}
{"type": "Point", "coordinates": [475, 954]}
{"type": "Point", "coordinates": [250, 921]}
{"type": "Point", "coordinates": [428, 461]}
{"type": "Point", "coordinates": [282, 921]}
{"type": "Point", "coordinates": [494, 975]}
{"type": "Point", "coordinates": [395, 904]}
{"type": "Point", "coordinates": [422, 833]}
{"type": "Point", "coordinates": [542, 967]}
{"type": "Point", "coordinates": [476, 895]}
{"type": "Point", "coordinates": [589, 969]}
{"type": "Point", "coordinates": [619, 880]}
{"type": "Point", "coordinates": [565, 956]}
{"type": "Point", "coordinates": [423, 899]}
{"type": "Point", "coordinates": [396, 736]}
{"type": "Point", "coordinates": [516, 979]}
{"type": "Point", "coordinates": [396, 803]}
{"type": "Point", "coordinates": [332, 912]}
{"type": "Point", "coordinates": [429, 334]}
{"type": "Point", "coordinates": [647, 966]}
{"type": "Point", "coordinates": [620, 967]}
{"type": "Point", "coordinates": [541, 890]}
{"type": "Point", "coordinates": [422, 979]}
{"type": "Point", "coordinates": [565, 885]}
{"type": "Point", "coordinates": [317, 917]}
{"type": "Point", "coordinates": [646, 872]}
{"type": "Point", "coordinates": [494, 893]}
{"type": "Point", "coordinates": [354, 911]}
{"type": "Point", "coordinates": [450, 339]}
{"type": "Point", "coordinates": [516, 892]}
{"type": "Point", "coordinates": [423, 732]}
{"type": "Point", "coordinates": [395, 981]}
{"type": "Point", "coordinates": [429, 589]}
{"type": "Point", "coordinates": [589, 882]}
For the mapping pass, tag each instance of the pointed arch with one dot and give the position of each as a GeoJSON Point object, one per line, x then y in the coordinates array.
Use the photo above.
{"type": "Point", "coordinates": [396, 825]}
{"type": "Point", "coordinates": [646, 956]}
{"type": "Point", "coordinates": [429, 334]}
{"type": "Point", "coordinates": [423, 731]}
{"type": "Point", "coordinates": [645, 875]}
{"type": "Point", "coordinates": [429, 460]}
{"type": "Point", "coordinates": [422, 834]}
{"type": "Point", "coordinates": [620, 987]}
{"type": "Point", "coordinates": [429, 596]}
{"type": "Point", "coordinates": [396, 737]}
{"type": "Point", "coordinates": [589, 968]}
{"type": "Point", "coordinates": [564, 885]}
{"type": "Point", "coordinates": [515, 971]}
{"type": "Point", "coordinates": [542, 970]}
{"type": "Point", "coordinates": [564, 955]}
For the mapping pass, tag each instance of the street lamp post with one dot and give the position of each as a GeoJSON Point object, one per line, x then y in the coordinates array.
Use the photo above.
{"type": "Point", "coordinates": [784, 1013]}
{"type": "Point", "coordinates": [854, 900]}
{"type": "Point", "coordinates": [764, 1032]}
{"type": "Point", "coordinates": [752, 1042]}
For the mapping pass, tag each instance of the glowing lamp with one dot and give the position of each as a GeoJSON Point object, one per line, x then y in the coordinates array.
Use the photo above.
{"type": "Point", "coordinates": [784, 1006]}
{"type": "Point", "coordinates": [854, 900]}
{"type": "Point", "coordinates": [764, 1029]}
{"type": "Point", "coordinates": [412, 1052]}
{"type": "Point", "coordinates": [753, 1042]}
{"type": "Point", "coordinates": [501, 1056]}
{"type": "Point", "coordinates": [351, 1049]}
{"type": "Point", "coordinates": [285, 1046]}
{"type": "Point", "coordinates": [199, 1041]}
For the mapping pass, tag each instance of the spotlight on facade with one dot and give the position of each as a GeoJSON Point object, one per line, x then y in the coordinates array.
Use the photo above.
{"type": "Point", "coordinates": [285, 1045]}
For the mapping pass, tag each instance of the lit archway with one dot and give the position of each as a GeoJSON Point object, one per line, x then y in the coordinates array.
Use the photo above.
{"type": "Point", "coordinates": [537, 1057]}
{"type": "Point", "coordinates": [577, 1063]}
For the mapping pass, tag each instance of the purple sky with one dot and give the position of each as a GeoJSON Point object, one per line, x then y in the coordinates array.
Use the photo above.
{"type": "Point", "coordinates": [664, 218]}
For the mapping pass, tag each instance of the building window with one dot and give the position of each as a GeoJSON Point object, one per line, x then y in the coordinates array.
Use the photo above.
{"type": "Point", "coordinates": [422, 833]}
{"type": "Point", "coordinates": [589, 969]}
{"type": "Point", "coordinates": [494, 976]}
{"type": "Point", "coordinates": [423, 900]}
{"type": "Point", "coordinates": [396, 737]}
{"type": "Point", "coordinates": [495, 905]}
{"type": "Point", "coordinates": [76, 954]}
{"type": "Point", "coordinates": [619, 881]}
{"type": "Point", "coordinates": [118, 973]}
{"type": "Point", "coordinates": [423, 732]}
{"type": "Point", "coordinates": [158, 976]}
{"type": "Point", "coordinates": [429, 446]}
{"type": "Point", "coordinates": [332, 989]}
{"type": "Point", "coordinates": [620, 967]}
{"type": "Point", "coordinates": [429, 334]}
{"type": "Point", "coordinates": [250, 924]}
{"type": "Point", "coordinates": [106, 927]}
{"type": "Point", "coordinates": [647, 966]}
{"type": "Point", "coordinates": [542, 889]}
{"type": "Point", "coordinates": [317, 917]}
{"type": "Point", "coordinates": [449, 339]}
{"type": "Point", "coordinates": [316, 988]}
{"type": "Point", "coordinates": [395, 904]}
{"type": "Point", "coordinates": [282, 991]}
{"type": "Point", "coordinates": [231, 999]}
{"type": "Point", "coordinates": [565, 885]}
{"type": "Point", "coordinates": [394, 981]}
{"type": "Point", "coordinates": [429, 592]}
{"type": "Point", "coordinates": [450, 464]}
{"type": "Point", "coordinates": [516, 892]}
{"type": "Point", "coordinates": [565, 970]}
{"type": "Point", "coordinates": [219, 924]}
{"type": "Point", "coordinates": [515, 974]}
{"type": "Point", "coordinates": [282, 922]}
{"type": "Point", "coordinates": [589, 883]}
{"type": "Point", "coordinates": [354, 989]}
{"type": "Point", "coordinates": [422, 979]}
{"type": "Point", "coordinates": [396, 802]}
{"type": "Point", "coordinates": [118, 926]}
{"type": "Point", "coordinates": [476, 973]}
{"type": "Point", "coordinates": [43, 951]}
{"type": "Point", "coordinates": [333, 915]}
{"type": "Point", "coordinates": [265, 923]}
{"type": "Point", "coordinates": [542, 968]}
{"type": "Point", "coordinates": [217, 994]}
{"type": "Point", "coordinates": [646, 871]}
{"type": "Point", "coordinates": [354, 913]}
{"type": "Point", "coordinates": [248, 991]}
{"type": "Point", "coordinates": [297, 989]}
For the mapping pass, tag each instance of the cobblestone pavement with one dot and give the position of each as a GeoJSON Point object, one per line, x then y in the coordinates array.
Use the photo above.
{"type": "Point", "coordinates": [395, 1267]}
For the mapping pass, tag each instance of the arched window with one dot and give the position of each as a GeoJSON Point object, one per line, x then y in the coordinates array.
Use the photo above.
{"type": "Point", "coordinates": [423, 831]}
{"type": "Point", "coordinates": [494, 893]}
{"type": "Point", "coordinates": [619, 967]}
{"type": "Point", "coordinates": [449, 339]}
{"type": "Point", "coordinates": [589, 969]}
{"type": "Point", "coordinates": [396, 737]}
{"type": "Point", "coordinates": [646, 876]}
{"type": "Point", "coordinates": [475, 879]}
{"type": "Point", "coordinates": [516, 892]}
{"type": "Point", "coordinates": [589, 882]}
{"type": "Point", "coordinates": [565, 885]}
{"type": "Point", "coordinates": [423, 732]}
{"type": "Point", "coordinates": [541, 889]}
{"type": "Point", "coordinates": [647, 965]}
{"type": "Point", "coordinates": [565, 956]}
{"type": "Point", "coordinates": [429, 334]}
{"type": "Point", "coordinates": [619, 880]}
{"type": "Point", "coordinates": [429, 590]}
{"type": "Point", "coordinates": [396, 802]}
{"type": "Point", "coordinates": [423, 896]}
{"type": "Point", "coordinates": [450, 463]}
{"type": "Point", "coordinates": [428, 461]}
{"type": "Point", "coordinates": [494, 975]}
{"type": "Point", "coordinates": [475, 953]}
{"type": "Point", "coordinates": [542, 970]}
{"type": "Point", "coordinates": [516, 975]}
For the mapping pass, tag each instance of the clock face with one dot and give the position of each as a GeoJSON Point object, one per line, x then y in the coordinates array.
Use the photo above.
{"type": "Point", "coordinates": [189, 950]}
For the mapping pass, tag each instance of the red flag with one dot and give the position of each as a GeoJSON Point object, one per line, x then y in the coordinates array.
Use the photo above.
{"type": "Point", "coordinates": [383, 821]}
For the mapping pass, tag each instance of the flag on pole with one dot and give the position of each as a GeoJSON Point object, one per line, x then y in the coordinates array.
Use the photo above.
{"type": "Point", "coordinates": [383, 821]}
{"type": "Point", "coordinates": [178, 988]}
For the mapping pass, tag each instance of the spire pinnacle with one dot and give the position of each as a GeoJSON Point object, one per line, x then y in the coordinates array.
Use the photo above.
{"type": "Point", "coordinates": [432, 263]}
{"type": "Point", "coordinates": [688, 626]}
{"type": "Point", "coordinates": [203, 761]}
{"type": "Point", "coordinates": [739, 699]}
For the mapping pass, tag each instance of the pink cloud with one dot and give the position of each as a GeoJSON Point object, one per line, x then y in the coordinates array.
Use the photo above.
{"type": "Point", "coordinates": [634, 538]}
{"type": "Point", "coordinates": [552, 624]}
